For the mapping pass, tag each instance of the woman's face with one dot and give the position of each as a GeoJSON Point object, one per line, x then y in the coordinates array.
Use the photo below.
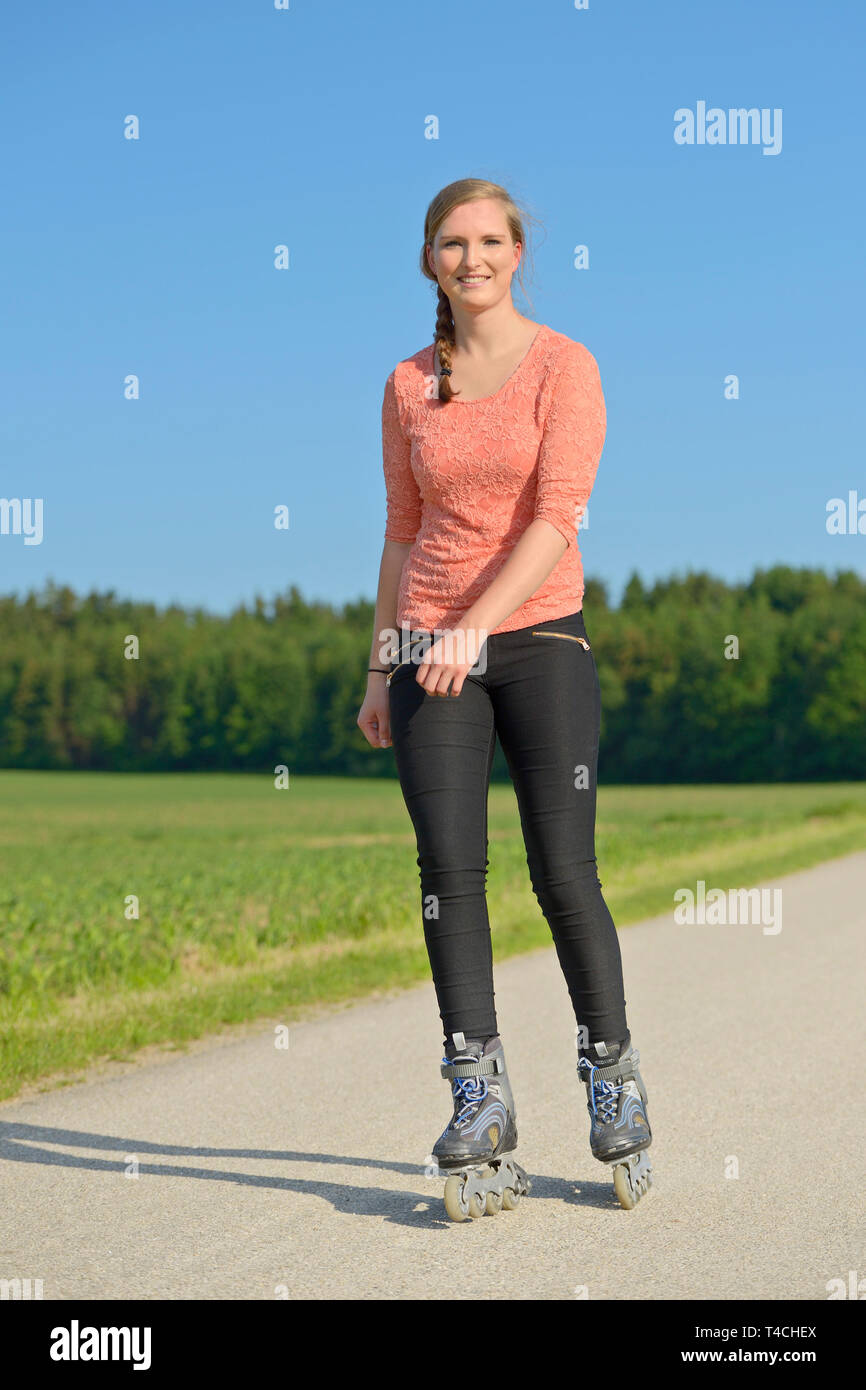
{"type": "Point", "coordinates": [473, 256]}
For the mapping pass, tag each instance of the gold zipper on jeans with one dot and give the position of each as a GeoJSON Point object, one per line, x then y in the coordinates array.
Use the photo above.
{"type": "Point", "coordinates": [567, 635]}
{"type": "Point", "coordinates": [395, 670]}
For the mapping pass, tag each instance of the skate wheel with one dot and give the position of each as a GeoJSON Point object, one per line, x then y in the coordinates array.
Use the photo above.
{"type": "Point", "coordinates": [510, 1198]}
{"type": "Point", "coordinates": [622, 1187]}
{"type": "Point", "coordinates": [454, 1205]}
{"type": "Point", "coordinates": [494, 1203]}
{"type": "Point", "coordinates": [632, 1180]}
{"type": "Point", "coordinates": [477, 1206]}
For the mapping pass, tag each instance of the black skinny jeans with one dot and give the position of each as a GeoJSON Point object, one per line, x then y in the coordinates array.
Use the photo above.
{"type": "Point", "coordinates": [540, 694]}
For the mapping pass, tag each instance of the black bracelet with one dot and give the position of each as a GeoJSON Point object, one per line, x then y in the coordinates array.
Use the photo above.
{"type": "Point", "coordinates": [379, 669]}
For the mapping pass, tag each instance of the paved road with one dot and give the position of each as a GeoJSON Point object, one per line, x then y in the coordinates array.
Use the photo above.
{"type": "Point", "coordinates": [264, 1172]}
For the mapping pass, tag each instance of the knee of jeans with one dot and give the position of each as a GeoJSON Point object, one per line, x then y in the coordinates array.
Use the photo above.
{"type": "Point", "coordinates": [451, 876]}
{"type": "Point", "coordinates": [565, 890]}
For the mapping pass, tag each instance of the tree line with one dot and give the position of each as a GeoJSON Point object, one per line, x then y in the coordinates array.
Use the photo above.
{"type": "Point", "coordinates": [701, 680]}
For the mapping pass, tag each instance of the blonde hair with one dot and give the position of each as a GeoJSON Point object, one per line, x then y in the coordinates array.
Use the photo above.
{"type": "Point", "coordinates": [448, 198]}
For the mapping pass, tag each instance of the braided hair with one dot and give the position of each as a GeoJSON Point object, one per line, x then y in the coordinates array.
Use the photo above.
{"type": "Point", "coordinates": [448, 198]}
{"type": "Point", "coordinates": [444, 340]}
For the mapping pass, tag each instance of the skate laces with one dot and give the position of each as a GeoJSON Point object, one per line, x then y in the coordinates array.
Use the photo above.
{"type": "Point", "coordinates": [604, 1094]}
{"type": "Point", "coordinates": [471, 1090]}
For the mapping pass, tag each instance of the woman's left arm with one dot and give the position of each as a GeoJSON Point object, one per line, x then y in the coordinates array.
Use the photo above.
{"type": "Point", "coordinates": [539, 549]}
{"type": "Point", "coordinates": [568, 460]}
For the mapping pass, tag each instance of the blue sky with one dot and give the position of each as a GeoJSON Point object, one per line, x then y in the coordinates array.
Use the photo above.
{"type": "Point", "coordinates": [307, 127]}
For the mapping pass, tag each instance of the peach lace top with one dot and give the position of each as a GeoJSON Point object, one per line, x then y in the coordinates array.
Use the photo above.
{"type": "Point", "coordinates": [464, 479]}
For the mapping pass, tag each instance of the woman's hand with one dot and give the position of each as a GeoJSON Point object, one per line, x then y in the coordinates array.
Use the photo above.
{"type": "Point", "coordinates": [374, 718]}
{"type": "Point", "coordinates": [449, 659]}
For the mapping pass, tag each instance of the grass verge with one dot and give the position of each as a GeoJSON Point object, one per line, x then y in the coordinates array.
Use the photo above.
{"type": "Point", "coordinates": [256, 904]}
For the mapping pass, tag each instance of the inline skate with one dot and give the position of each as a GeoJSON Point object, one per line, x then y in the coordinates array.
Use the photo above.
{"type": "Point", "coordinates": [620, 1131]}
{"type": "Point", "coordinates": [482, 1131]}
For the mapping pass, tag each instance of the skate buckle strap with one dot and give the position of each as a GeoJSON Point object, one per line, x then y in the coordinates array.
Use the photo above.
{"type": "Point", "coordinates": [614, 1071]}
{"type": "Point", "coordinates": [484, 1066]}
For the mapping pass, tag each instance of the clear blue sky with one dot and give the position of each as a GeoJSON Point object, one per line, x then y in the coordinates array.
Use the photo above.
{"type": "Point", "coordinates": [306, 127]}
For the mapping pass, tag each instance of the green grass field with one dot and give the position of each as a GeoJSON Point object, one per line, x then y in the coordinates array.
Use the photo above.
{"type": "Point", "coordinates": [258, 903]}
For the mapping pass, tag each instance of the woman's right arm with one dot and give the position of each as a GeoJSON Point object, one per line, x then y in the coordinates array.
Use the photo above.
{"type": "Point", "coordinates": [402, 522]}
{"type": "Point", "coordinates": [374, 716]}
{"type": "Point", "coordinates": [394, 556]}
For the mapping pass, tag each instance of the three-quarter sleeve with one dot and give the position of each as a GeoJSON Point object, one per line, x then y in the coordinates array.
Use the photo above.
{"type": "Point", "coordinates": [572, 442]}
{"type": "Point", "coordinates": [403, 517]}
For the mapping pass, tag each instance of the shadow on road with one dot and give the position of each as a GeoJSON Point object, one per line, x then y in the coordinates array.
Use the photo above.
{"type": "Point", "coordinates": [21, 1143]}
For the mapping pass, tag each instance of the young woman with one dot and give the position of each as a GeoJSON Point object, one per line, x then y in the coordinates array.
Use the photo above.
{"type": "Point", "coordinates": [491, 439]}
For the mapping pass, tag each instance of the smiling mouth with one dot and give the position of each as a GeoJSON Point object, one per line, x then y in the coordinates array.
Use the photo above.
{"type": "Point", "coordinates": [473, 279]}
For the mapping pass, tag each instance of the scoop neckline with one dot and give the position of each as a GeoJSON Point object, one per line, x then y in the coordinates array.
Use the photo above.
{"type": "Point", "coordinates": [481, 400]}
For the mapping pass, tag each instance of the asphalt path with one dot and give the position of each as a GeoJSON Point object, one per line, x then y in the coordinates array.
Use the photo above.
{"type": "Point", "coordinates": [247, 1170]}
